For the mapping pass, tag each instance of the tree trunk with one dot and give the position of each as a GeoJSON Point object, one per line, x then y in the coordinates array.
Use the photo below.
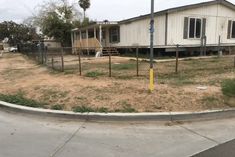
{"type": "Point", "coordinates": [84, 15]}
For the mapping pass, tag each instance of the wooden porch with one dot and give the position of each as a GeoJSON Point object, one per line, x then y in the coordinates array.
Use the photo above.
{"type": "Point", "coordinates": [94, 37]}
{"type": "Point", "coordinates": [92, 44]}
{"type": "Point", "coordinates": [88, 44]}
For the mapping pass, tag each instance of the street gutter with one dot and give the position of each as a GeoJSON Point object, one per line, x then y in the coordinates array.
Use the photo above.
{"type": "Point", "coordinates": [119, 117]}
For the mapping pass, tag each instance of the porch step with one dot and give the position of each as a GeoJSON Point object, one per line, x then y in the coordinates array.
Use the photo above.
{"type": "Point", "coordinates": [110, 50]}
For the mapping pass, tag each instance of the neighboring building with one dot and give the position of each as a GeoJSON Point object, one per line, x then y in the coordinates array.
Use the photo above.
{"type": "Point", "coordinates": [4, 46]}
{"type": "Point", "coordinates": [52, 43]}
{"type": "Point", "coordinates": [1, 47]}
{"type": "Point", "coordinates": [192, 27]}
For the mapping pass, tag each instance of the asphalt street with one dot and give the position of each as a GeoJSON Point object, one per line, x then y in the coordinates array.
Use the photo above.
{"type": "Point", "coordinates": [224, 150]}
{"type": "Point", "coordinates": [27, 136]}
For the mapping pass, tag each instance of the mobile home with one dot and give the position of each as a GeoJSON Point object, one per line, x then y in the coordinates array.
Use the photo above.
{"type": "Point", "coordinates": [192, 27]}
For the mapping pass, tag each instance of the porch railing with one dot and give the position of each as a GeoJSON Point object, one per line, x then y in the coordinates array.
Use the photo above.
{"type": "Point", "coordinates": [88, 44]}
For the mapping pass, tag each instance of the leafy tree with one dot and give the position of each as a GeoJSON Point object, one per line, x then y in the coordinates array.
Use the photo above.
{"type": "Point", "coordinates": [57, 19]}
{"type": "Point", "coordinates": [84, 4]}
{"type": "Point", "coordinates": [17, 33]}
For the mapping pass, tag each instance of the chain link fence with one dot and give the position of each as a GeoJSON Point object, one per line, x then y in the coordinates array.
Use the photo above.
{"type": "Point", "coordinates": [127, 63]}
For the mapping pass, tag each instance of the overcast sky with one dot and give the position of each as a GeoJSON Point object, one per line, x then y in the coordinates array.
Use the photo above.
{"type": "Point", "coordinates": [18, 10]}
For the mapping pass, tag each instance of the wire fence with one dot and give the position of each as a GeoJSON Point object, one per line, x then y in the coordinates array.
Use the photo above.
{"type": "Point", "coordinates": [79, 61]}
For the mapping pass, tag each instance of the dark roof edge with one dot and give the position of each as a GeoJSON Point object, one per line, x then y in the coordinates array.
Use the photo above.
{"type": "Point", "coordinates": [171, 10]}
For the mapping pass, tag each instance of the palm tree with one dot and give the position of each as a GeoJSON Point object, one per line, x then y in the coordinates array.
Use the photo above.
{"type": "Point", "coordinates": [84, 4]}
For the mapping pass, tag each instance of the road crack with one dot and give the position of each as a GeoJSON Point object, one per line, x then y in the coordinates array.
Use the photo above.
{"type": "Point", "coordinates": [60, 148]}
{"type": "Point", "coordinates": [203, 136]}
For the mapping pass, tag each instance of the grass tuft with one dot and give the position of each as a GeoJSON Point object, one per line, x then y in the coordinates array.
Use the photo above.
{"type": "Point", "coordinates": [82, 109]}
{"type": "Point", "coordinates": [126, 107]}
{"type": "Point", "coordinates": [85, 109]}
{"type": "Point", "coordinates": [102, 110]}
{"type": "Point", "coordinates": [57, 107]}
{"type": "Point", "coordinates": [228, 87]}
{"type": "Point", "coordinates": [123, 66]}
{"type": "Point", "coordinates": [19, 99]}
{"type": "Point", "coordinates": [94, 74]}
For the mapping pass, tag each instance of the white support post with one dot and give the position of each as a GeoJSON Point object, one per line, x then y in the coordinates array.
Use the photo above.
{"type": "Point", "coordinates": [80, 35]}
{"type": "Point", "coordinates": [100, 29]}
{"type": "Point", "coordinates": [95, 33]}
{"type": "Point", "coordinates": [72, 42]}
{"type": "Point", "coordinates": [72, 38]}
{"type": "Point", "coordinates": [101, 34]}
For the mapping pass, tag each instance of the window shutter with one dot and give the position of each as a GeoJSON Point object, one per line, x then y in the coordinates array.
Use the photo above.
{"type": "Point", "coordinates": [229, 29]}
{"type": "Point", "coordinates": [186, 28]}
{"type": "Point", "coordinates": [203, 27]}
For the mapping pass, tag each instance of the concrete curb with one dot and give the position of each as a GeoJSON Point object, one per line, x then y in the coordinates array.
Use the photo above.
{"type": "Point", "coordinates": [164, 116]}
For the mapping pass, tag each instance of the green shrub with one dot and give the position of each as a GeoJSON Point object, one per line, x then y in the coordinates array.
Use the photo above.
{"type": "Point", "coordinates": [82, 109]}
{"type": "Point", "coordinates": [228, 87]}
{"type": "Point", "coordinates": [57, 107]}
{"type": "Point", "coordinates": [94, 74]}
{"type": "Point", "coordinates": [102, 110]}
{"type": "Point", "coordinates": [19, 99]}
{"type": "Point", "coordinates": [123, 66]}
{"type": "Point", "coordinates": [126, 107]}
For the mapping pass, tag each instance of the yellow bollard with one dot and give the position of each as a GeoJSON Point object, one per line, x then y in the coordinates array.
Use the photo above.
{"type": "Point", "coordinates": [151, 83]}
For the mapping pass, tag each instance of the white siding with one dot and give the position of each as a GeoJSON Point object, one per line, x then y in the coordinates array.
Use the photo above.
{"type": "Point", "coordinates": [176, 25]}
{"type": "Point", "coordinates": [137, 33]}
{"type": "Point", "coordinates": [52, 44]}
{"type": "Point", "coordinates": [225, 14]}
{"type": "Point", "coordinates": [217, 16]}
{"type": "Point", "coordinates": [134, 33]}
{"type": "Point", "coordinates": [160, 30]}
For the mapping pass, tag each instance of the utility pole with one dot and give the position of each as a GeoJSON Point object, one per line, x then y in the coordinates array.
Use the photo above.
{"type": "Point", "coordinates": [151, 83]}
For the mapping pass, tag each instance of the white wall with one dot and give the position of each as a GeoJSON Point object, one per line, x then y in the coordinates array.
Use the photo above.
{"type": "Point", "coordinates": [225, 14]}
{"type": "Point", "coordinates": [137, 32]}
{"type": "Point", "coordinates": [52, 44]}
{"type": "Point", "coordinates": [216, 24]}
{"type": "Point", "coordinates": [217, 16]}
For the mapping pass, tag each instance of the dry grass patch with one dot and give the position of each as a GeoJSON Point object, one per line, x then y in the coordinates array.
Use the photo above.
{"type": "Point", "coordinates": [124, 92]}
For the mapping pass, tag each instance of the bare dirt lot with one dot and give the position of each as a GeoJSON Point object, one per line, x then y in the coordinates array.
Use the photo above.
{"type": "Point", "coordinates": [174, 92]}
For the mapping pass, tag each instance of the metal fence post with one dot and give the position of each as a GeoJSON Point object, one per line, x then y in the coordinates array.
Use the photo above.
{"type": "Point", "coordinates": [46, 55]}
{"type": "Point", "coordinates": [38, 55]}
{"type": "Point", "coordinates": [229, 50]}
{"type": "Point", "coordinates": [79, 60]}
{"type": "Point", "coordinates": [205, 43]}
{"type": "Point", "coordinates": [177, 58]}
{"type": "Point", "coordinates": [201, 48]}
{"type": "Point", "coordinates": [52, 62]}
{"type": "Point", "coordinates": [137, 61]}
{"type": "Point", "coordinates": [234, 61]}
{"type": "Point", "coordinates": [219, 47]}
{"type": "Point", "coordinates": [62, 60]}
{"type": "Point", "coordinates": [110, 65]}
{"type": "Point", "coordinates": [42, 57]}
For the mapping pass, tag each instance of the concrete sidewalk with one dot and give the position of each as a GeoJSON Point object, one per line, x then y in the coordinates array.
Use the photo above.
{"type": "Point", "coordinates": [180, 59]}
{"type": "Point", "coordinates": [25, 136]}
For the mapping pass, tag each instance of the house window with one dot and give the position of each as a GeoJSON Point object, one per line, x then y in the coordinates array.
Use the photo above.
{"type": "Point", "coordinates": [195, 28]}
{"type": "Point", "coordinates": [233, 30]}
{"type": "Point", "coordinates": [114, 34]}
